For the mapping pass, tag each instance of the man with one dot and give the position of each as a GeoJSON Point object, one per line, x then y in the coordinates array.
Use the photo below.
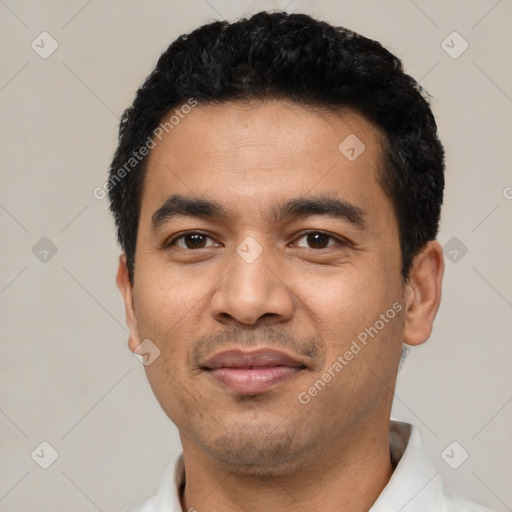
{"type": "Point", "coordinates": [277, 191]}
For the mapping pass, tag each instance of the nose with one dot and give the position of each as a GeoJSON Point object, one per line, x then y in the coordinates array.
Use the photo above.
{"type": "Point", "coordinates": [252, 290]}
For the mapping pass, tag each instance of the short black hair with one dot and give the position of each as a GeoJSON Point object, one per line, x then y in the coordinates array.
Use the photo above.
{"type": "Point", "coordinates": [276, 55]}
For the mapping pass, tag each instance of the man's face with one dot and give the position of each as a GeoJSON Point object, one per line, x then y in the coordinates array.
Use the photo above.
{"type": "Point", "coordinates": [270, 264]}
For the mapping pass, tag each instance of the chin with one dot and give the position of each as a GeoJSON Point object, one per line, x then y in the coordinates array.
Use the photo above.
{"type": "Point", "coordinates": [259, 454]}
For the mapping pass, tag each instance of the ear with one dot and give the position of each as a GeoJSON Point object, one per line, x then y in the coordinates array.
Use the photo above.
{"type": "Point", "coordinates": [423, 293]}
{"type": "Point", "coordinates": [126, 289]}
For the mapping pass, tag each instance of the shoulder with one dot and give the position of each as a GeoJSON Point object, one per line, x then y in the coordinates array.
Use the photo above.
{"type": "Point", "coordinates": [456, 503]}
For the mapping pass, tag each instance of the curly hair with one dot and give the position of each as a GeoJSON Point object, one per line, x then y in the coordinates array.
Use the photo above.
{"type": "Point", "coordinates": [276, 55]}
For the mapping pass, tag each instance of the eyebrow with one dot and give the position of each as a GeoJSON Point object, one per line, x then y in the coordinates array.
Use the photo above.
{"type": "Point", "coordinates": [178, 204]}
{"type": "Point", "coordinates": [321, 205]}
{"type": "Point", "coordinates": [299, 207]}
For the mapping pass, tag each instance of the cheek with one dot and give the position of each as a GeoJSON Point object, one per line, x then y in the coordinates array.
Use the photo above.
{"type": "Point", "coordinates": [167, 307]}
{"type": "Point", "coordinates": [165, 316]}
{"type": "Point", "coordinates": [166, 300]}
{"type": "Point", "coordinates": [346, 296]}
{"type": "Point", "coordinates": [356, 311]}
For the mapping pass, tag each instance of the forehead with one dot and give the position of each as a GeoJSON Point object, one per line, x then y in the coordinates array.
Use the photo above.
{"type": "Point", "coordinates": [265, 152]}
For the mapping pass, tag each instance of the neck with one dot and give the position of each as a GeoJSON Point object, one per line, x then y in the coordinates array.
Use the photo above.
{"type": "Point", "coordinates": [346, 475]}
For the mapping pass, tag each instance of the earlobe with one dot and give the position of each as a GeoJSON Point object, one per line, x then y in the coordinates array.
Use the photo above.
{"type": "Point", "coordinates": [125, 287]}
{"type": "Point", "coordinates": [423, 293]}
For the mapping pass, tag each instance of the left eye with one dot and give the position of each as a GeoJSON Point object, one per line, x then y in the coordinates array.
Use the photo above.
{"type": "Point", "coordinates": [318, 240]}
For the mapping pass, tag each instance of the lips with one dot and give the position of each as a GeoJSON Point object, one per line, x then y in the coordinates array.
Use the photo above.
{"type": "Point", "coordinates": [252, 372]}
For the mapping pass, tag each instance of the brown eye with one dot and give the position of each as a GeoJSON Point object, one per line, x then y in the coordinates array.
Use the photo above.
{"type": "Point", "coordinates": [317, 240]}
{"type": "Point", "coordinates": [192, 241]}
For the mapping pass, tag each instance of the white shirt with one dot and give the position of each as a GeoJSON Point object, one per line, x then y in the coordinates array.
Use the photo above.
{"type": "Point", "coordinates": [414, 486]}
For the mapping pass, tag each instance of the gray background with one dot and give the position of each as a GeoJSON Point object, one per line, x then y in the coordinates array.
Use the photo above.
{"type": "Point", "coordinates": [67, 376]}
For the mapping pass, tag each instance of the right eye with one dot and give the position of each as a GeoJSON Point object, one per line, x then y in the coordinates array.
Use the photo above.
{"type": "Point", "coordinates": [191, 240]}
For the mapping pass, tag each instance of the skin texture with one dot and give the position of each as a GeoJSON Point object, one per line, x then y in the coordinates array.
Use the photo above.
{"type": "Point", "coordinates": [269, 451]}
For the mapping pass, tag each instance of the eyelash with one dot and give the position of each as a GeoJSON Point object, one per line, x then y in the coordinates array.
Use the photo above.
{"type": "Point", "coordinates": [173, 241]}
